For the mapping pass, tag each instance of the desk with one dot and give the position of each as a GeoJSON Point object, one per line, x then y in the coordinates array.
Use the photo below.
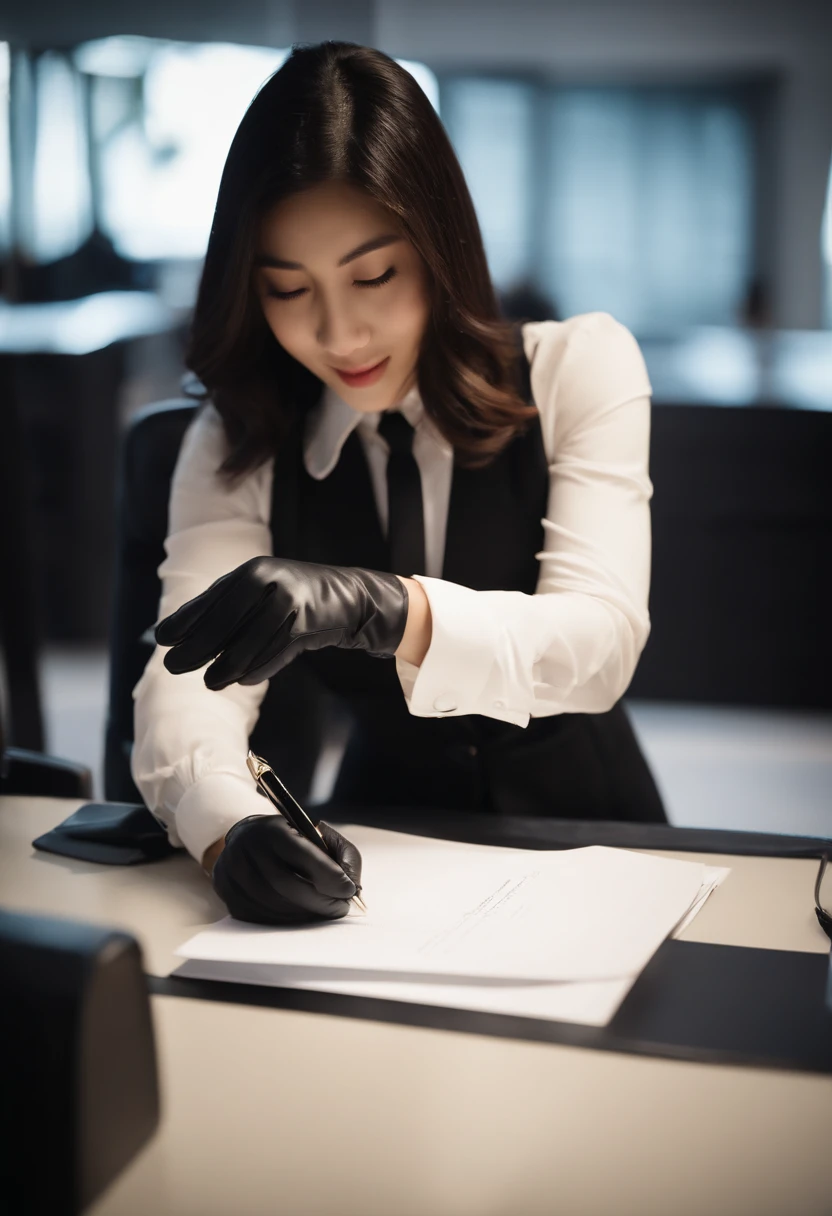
{"type": "Point", "coordinates": [420, 1121]}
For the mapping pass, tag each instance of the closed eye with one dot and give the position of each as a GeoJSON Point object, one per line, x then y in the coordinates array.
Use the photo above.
{"type": "Point", "coordinates": [293, 295]}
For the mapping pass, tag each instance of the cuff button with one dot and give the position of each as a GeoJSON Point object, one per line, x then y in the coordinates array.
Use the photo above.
{"type": "Point", "coordinates": [445, 702]}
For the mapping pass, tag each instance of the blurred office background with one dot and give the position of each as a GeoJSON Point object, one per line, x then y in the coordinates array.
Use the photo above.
{"type": "Point", "coordinates": [665, 162]}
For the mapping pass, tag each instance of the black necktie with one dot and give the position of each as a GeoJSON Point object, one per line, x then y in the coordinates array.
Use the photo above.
{"type": "Point", "coordinates": [406, 526]}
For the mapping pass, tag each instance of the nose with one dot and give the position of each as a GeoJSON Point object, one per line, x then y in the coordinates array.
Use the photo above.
{"type": "Point", "coordinates": [342, 334]}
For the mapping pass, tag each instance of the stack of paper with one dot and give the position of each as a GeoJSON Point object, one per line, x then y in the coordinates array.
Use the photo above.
{"type": "Point", "coordinates": [545, 934]}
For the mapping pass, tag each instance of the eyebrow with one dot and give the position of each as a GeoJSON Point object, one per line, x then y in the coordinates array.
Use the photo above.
{"type": "Point", "coordinates": [377, 242]}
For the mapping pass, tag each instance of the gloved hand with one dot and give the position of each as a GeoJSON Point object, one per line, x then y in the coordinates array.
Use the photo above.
{"type": "Point", "coordinates": [270, 874]}
{"type": "Point", "coordinates": [258, 618]}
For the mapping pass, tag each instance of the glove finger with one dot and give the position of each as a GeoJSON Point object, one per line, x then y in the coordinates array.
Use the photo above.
{"type": "Point", "coordinates": [270, 908]}
{"type": "Point", "coordinates": [177, 625]}
{"type": "Point", "coordinates": [227, 613]}
{"type": "Point", "coordinates": [252, 650]}
{"type": "Point", "coordinates": [302, 890]}
{"type": "Point", "coordinates": [284, 650]}
{"type": "Point", "coordinates": [348, 855]}
{"type": "Point", "coordinates": [278, 842]}
{"type": "Point", "coordinates": [174, 627]}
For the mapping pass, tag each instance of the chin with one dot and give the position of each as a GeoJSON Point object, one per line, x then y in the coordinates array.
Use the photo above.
{"type": "Point", "coordinates": [367, 406]}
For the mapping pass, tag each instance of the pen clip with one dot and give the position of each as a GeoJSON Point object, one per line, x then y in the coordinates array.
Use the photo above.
{"type": "Point", "coordinates": [256, 766]}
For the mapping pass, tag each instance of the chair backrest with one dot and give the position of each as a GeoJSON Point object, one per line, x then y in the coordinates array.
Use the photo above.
{"type": "Point", "coordinates": [742, 523]}
{"type": "Point", "coordinates": [742, 531]}
{"type": "Point", "coordinates": [148, 457]}
{"type": "Point", "coordinates": [293, 741]}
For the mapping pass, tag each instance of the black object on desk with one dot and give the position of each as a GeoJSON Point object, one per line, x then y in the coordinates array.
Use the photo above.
{"type": "Point", "coordinates": [542, 832]}
{"type": "Point", "coordinates": [694, 1001]}
{"type": "Point", "coordinates": [79, 1092]}
{"type": "Point", "coordinates": [112, 833]}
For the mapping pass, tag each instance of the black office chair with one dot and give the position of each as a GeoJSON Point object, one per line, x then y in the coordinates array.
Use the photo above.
{"type": "Point", "coordinates": [742, 530]}
{"type": "Point", "coordinates": [35, 774]}
{"type": "Point", "coordinates": [727, 531]}
{"type": "Point", "coordinates": [149, 452]}
{"type": "Point", "coordinates": [148, 457]}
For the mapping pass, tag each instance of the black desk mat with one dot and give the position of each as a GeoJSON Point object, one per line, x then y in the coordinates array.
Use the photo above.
{"type": "Point", "coordinates": [553, 833]}
{"type": "Point", "coordinates": [694, 1001]}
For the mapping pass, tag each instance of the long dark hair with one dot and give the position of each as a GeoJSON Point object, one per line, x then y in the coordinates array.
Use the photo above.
{"type": "Point", "coordinates": [343, 112]}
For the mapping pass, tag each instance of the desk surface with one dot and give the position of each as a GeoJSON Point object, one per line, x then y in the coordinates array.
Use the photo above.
{"type": "Point", "coordinates": [418, 1120]}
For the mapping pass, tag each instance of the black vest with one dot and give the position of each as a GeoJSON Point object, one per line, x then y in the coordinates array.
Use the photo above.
{"type": "Point", "coordinates": [494, 530]}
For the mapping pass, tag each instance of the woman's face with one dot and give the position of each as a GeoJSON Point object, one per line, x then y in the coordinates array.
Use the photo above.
{"type": "Point", "coordinates": [324, 310]}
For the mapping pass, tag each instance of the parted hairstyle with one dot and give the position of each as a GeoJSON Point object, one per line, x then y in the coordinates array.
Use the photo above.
{"type": "Point", "coordinates": [337, 111]}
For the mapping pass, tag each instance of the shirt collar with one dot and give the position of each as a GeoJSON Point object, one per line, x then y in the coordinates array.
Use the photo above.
{"type": "Point", "coordinates": [330, 423]}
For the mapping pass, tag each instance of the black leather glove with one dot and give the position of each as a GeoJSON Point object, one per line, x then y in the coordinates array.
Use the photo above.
{"type": "Point", "coordinates": [270, 874]}
{"type": "Point", "coordinates": [258, 618]}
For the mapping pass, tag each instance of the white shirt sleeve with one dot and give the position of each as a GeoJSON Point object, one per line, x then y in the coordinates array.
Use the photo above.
{"type": "Point", "coordinates": [573, 646]}
{"type": "Point", "coordinates": [190, 746]}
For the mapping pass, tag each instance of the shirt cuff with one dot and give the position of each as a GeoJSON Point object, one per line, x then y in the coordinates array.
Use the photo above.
{"type": "Point", "coordinates": [210, 808]}
{"type": "Point", "coordinates": [456, 670]}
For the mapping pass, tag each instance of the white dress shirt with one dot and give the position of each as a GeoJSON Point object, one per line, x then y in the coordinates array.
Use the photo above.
{"type": "Point", "coordinates": [571, 647]}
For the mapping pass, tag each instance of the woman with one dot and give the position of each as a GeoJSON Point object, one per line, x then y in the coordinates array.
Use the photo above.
{"type": "Point", "coordinates": [475, 507]}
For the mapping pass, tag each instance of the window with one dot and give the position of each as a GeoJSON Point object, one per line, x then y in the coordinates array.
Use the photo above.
{"type": "Point", "coordinates": [491, 124]}
{"type": "Point", "coordinates": [164, 116]}
{"type": "Point", "coordinates": [62, 210]}
{"type": "Point", "coordinates": [826, 254]}
{"type": "Point", "coordinates": [5, 157]}
{"type": "Point", "coordinates": [637, 201]}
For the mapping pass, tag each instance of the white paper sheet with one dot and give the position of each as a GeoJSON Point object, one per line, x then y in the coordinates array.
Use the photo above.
{"type": "Point", "coordinates": [553, 934]}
